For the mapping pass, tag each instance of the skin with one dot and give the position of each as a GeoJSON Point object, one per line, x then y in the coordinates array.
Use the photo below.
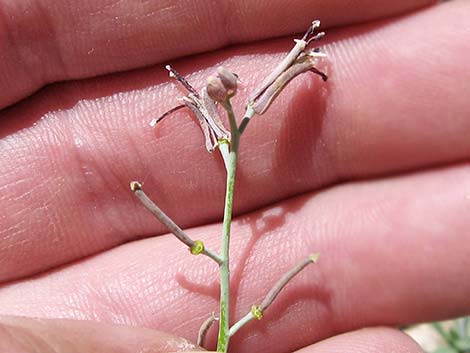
{"type": "Point", "coordinates": [370, 169]}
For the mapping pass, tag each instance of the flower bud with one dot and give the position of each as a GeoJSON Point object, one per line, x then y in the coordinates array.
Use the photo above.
{"type": "Point", "coordinates": [229, 80]}
{"type": "Point", "coordinates": [216, 89]}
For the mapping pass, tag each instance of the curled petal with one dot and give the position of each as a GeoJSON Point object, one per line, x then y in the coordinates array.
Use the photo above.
{"type": "Point", "coordinates": [303, 64]}
{"type": "Point", "coordinates": [213, 117]}
{"type": "Point", "coordinates": [208, 137]}
{"type": "Point", "coordinates": [300, 45]}
{"type": "Point", "coordinates": [203, 107]}
{"type": "Point", "coordinates": [209, 120]}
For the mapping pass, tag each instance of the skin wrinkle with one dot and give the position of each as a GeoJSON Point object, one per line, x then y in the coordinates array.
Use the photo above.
{"type": "Point", "coordinates": [95, 172]}
{"type": "Point", "coordinates": [54, 336]}
{"type": "Point", "coordinates": [54, 50]}
{"type": "Point", "coordinates": [98, 173]}
{"type": "Point", "coordinates": [358, 144]}
{"type": "Point", "coordinates": [226, 21]}
{"type": "Point", "coordinates": [85, 41]}
{"type": "Point", "coordinates": [434, 227]}
{"type": "Point", "coordinates": [19, 79]}
{"type": "Point", "coordinates": [7, 41]}
{"type": "Point", "coordinates": [336, 302]}
{"type": "Point", "coordinates": [23, 340]}
{"type": "Point", "coordinates": [65, 189]}
{"type": "Point", "coordinates": [31, 43]}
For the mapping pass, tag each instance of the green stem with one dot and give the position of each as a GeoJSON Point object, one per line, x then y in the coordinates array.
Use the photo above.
{"type": "Point", "coordinates": [248, 115]}
{"type": "Point", "coordinates": [224, 321]}
{"type": "Point", "coordinates": [438, 327]}
{"type": "Point", "coordinates": [225, 152]}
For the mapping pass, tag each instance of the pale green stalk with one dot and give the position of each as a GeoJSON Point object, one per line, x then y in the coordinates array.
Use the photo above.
{"type": "Point", "coordinates": [224, 321]}
{"type": "Point", "coordinates": [203, 106]}
{"type": "Point", "coordinates": [257, 311]}
{"type": "Point", "coordinates": [224, 148]}
{"type": "Point", "coordinates": [242, 322]}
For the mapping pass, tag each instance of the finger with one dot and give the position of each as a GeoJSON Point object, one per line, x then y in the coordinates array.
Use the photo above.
{"type": "Point", "coordinates": [61, 40]}
{"type": "Point", "coordinates": [65, 177]}
{"type": "Point", "coordinates": [370, 340]}
{"type": "Point", "coordinates": [19, 335]}
{"type": "Point", "coordinates": [392, 252]}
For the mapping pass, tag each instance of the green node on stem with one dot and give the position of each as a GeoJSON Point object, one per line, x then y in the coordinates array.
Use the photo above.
{"type": "Point", "coordinates": [257, 312]}
{"type": "Point", "coordinates": [197, 248]}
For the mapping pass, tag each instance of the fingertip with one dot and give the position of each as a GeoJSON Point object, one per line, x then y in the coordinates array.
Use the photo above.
{"type": "Point", "coordinates": [18, 335]}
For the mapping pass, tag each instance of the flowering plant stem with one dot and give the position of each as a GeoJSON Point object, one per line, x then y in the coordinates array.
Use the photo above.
{"type": "Point", "coordinates": [221, 89]}
{"type": "Point", "coordinates": [224, 326]}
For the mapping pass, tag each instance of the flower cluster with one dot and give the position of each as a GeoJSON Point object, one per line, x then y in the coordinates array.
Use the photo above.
{"type": "Point", "coordinates": [223, 86]}
{"type": "Point", "coordinates": [219, 90]}
{"type": "Point", "coordinates": [203, 107]}
{"type": "Point", "coordinates": [295, 63]}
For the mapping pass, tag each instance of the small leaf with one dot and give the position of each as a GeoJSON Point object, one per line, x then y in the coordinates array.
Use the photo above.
{"type": "Point", "coordinates": [446, 350]}
{"type": "Point", "coordinates": [454, 335]}
{"type": "Point", "coordinates": [463, 343]}
{"type": "Point", "coordinates": [445, 335]}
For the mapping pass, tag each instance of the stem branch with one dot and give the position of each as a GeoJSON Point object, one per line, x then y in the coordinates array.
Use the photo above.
{"type": "Point", "coordinates": [257, 311]}
{"type": "Point", "coordinates": [225, 152]}
{"type": "Point", "coordinates": [136, 187]}
{"type": "Point", "coordinates": [206, 325]}
{"type": "Point", "coordinates": [248, 115]}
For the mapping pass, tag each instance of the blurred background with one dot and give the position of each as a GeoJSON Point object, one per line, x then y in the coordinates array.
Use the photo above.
{"type": "Point", "coordinates": [451, 336]}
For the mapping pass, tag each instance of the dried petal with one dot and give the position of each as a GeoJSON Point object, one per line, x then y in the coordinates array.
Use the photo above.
{"type": "Point", "coordinates": [296, 62]}
{"type": "Point", "coordinates": [300, 45]}
{"type": "Point", "coordinates": [303, 64]}
{"type": "Point", "coordinates": [213, 117]}
{"type": "Point", "coordinates": [204, 109]}
{"type": "Point", "coordinates": [208, 137]}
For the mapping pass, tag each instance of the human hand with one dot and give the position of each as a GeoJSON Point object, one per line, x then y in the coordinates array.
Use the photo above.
{"type": "Point", "coordinates": [358, 150]}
